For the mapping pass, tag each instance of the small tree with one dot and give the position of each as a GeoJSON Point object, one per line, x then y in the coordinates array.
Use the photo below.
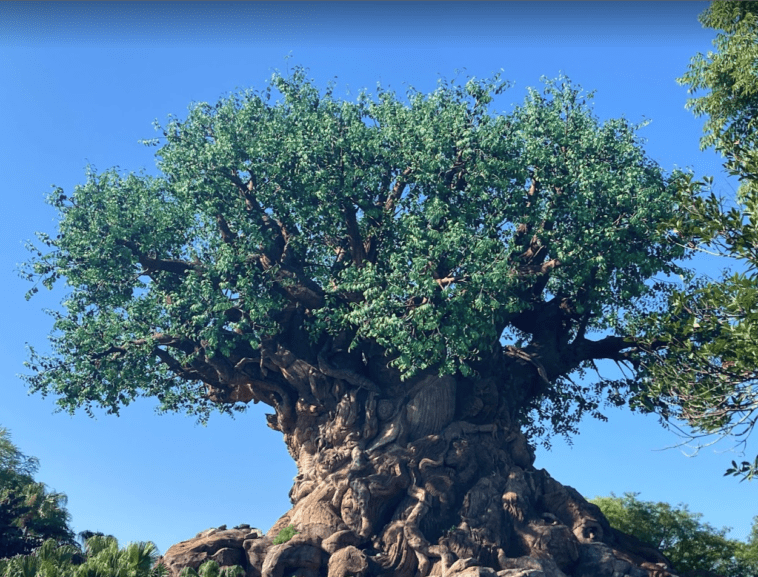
{"type": "Point", "coordinates": [413, 288]}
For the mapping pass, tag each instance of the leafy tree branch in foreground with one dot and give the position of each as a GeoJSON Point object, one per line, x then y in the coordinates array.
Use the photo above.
{"type": "Point", "coordinates": [707, 373]}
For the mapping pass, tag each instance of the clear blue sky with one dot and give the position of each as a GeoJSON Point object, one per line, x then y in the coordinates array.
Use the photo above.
{"type": "Point", "coordinates": [82, 83]}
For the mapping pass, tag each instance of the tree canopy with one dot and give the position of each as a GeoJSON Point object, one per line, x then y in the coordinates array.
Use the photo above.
{"type": "Point", "coordinates": [425, 233]}
{"type": "Point", "coordinates": [707, 374]}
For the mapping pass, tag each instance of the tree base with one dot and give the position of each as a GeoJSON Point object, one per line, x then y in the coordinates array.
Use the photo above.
{"type": "Point", "coordinates": [569, 538]}
{"type": "Point", "coordinates": [431, 483]}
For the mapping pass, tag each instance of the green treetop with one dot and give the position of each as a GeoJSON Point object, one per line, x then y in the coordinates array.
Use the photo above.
{"type": "Point", "coordinates": [416, 234]}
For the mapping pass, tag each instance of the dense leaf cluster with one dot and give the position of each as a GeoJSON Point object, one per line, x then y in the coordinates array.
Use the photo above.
{"type": "Point", "coordinates": [428, 230]}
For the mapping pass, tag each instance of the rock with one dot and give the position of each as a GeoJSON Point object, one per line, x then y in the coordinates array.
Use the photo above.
{"type": "Point", "coordinates": [255, 549]}
{"type": "Point", "coordinates": [529, 567]}
{"type": "Point", "coordinates": [318, 550]}
{"type": "Point", "coordinates": [476, 571]}
{"type": "Point", "coordinates": [293, 557]}
{"type": "Point", "coordinates": [598, 560]}
{"type": "Point", "coordinates": [225, 546]}
{"type": "Point", "coordinates": [339, 540]}
{"type": "Point", "coordinates": [228, 557]}
{"type": "Point", "coordinates": [553, 540]}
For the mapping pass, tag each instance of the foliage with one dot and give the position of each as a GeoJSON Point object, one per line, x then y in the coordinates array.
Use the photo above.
{"type": "Point", "coordinates": [29, 513]}
{"type": "Point", "coordinates": [285, 535]}
{"type": "Point", "coordinates": [748, 552]}
{"type": "Point", "coordinates": [12, 461]}
{"type": "Point", "coordinates": [103, 558]}
{"type": "Point", "coordinates": [421, 233]}
{"type": "Point", "coordinates": [730, 78]}
{"type": "Point", "coordinates": [691, 545]}
{"type": "Point", "coordinates": [212, 569]}
{"type": "Point", "coordinates": [707, 375]}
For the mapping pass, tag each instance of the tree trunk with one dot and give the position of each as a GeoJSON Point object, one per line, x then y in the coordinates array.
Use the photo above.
{"type": "Point", "coordinates": [435, 479]}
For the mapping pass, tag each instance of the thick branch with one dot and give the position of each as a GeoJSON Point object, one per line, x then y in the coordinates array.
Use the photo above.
{"type": "Point", "coordinates": [174, 365]}
{"type": "Point", "coordinates": [345, 374]}
{"type": "Point", "coordinates": [397, 190]}
{"type": "Point", "coordinates": [246, 193]}
{"type": "Point", "coordinates": [298, 288]}
{"type": "Point", "coordinates": [264, 221]}
{"type": "Point", "coordinates": [226, 233]}
{"type": "Point", "coordinates": [292, 281]}
{"type": "Point", "coordinates": [163, 339]}
{"type": "Point", "coordinates": [614, 348]}
{"type": "Point", "coordinates": [150, 264]}
{"type": "Point", "coordinates": [357, 250]}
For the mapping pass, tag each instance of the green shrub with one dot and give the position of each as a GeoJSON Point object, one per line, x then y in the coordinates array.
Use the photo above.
{"type": "Point", "coordinates": [211, 569]}
{"type": "Point", "coordinates": [285, 535]}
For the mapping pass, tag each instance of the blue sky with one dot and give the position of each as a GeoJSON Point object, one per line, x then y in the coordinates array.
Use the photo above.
{"type": "Point", "coordinates": [82, 83]}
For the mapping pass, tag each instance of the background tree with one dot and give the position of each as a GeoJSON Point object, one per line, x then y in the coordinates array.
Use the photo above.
{"type": "Point", "coordinates": [29, 513]}
{"type": "Point", "coordinates": [102, 558]}
{"type": "Point", "coordinates": [13, 463]}
{"type": "Point", "coordinates": [748, 552]}
{"type": "Point", "coordinates": [707, 374]}
{"type": "Point", "coordinates": [694, 548]}
{"type": "Point", "coordinates": [414, 289]}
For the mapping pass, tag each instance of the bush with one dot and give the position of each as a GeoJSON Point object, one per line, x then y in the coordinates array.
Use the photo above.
{"type": "Point", "coordinates": [285, 535]}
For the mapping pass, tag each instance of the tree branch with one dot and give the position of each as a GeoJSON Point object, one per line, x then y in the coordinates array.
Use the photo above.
{"type": "Point", "coordinates": [357, 250]}
{"type": "Point", "coordinates": [226, 233]}
{"type": "Point", "coordinates": [397, 190]}
{"type": "Point", "coordinates": [150, 264]}
{"type": "Point", "coordinates": [619, 349]}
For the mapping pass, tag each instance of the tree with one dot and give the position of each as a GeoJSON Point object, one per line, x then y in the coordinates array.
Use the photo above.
{"type": "Point", "coordinates": [13, 463]}
{"type": "Point", "coordinates": [694, 548]}
{"type": "Point", "coordinates": [102, 558]}
{"type": "Point", "coordinates": [748, 552]}
{"type": "Point", "coordinates": [707, 374]}
{"type": "Point", "coordinates": [29, 514]}
{"type": "Point", "coordinates": [412, 287]}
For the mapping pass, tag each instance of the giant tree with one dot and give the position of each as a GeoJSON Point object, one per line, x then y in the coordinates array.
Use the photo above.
{"type": "Point", "coordinates": [416, 289]}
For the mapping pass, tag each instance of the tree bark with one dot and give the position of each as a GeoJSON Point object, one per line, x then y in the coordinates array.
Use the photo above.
{"type": "Point", "coordinates": [431, 478]}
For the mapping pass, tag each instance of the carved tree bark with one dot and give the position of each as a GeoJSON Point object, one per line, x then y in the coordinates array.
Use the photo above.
{"type": "Point", "coordinates": [427, 477]}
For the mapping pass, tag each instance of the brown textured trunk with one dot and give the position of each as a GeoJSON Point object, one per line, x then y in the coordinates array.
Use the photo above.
{"type": "Point", "coordinates": [431, 478]}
